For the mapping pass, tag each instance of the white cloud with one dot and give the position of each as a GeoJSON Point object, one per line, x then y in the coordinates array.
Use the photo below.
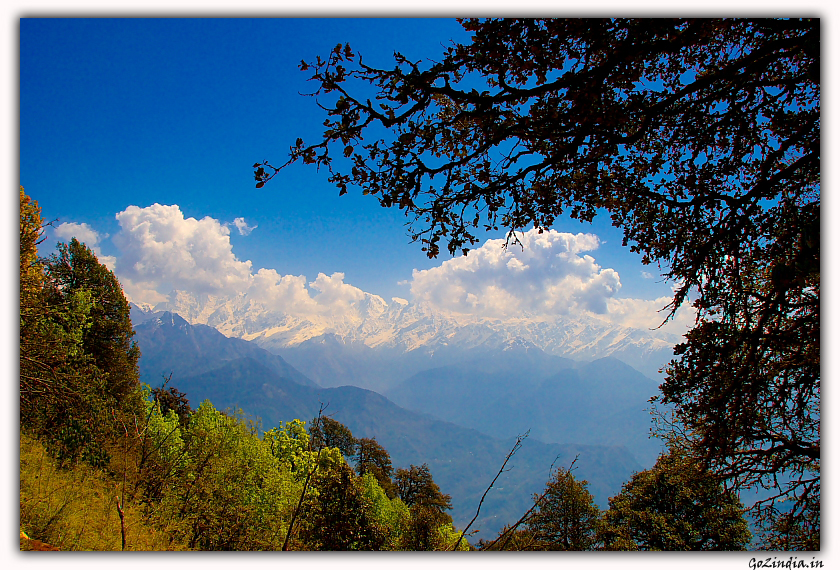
{"type": "Point", "coordinates": [647, 275]}
{"type": "Point", "coordinates": [546, 276]}
{"type": "Point", "coordinates": [552, 274]}
{"type": "Point", "coordinates": [334, 293]}
{"type": "Point", "coordinates": [282, 292]}
{"type": "Point", "coordinates": [82, 232]}
{"type": "Point", "coordinates": [88, 236]}
{"type": "Point", "coordinates": [649, 314]}
{"type": "Point", "coordinates": [161, 247]}
{"type": "Point", "coordinates": [244, 229]}
{"type": "Point", "coordinates": [163, 251]}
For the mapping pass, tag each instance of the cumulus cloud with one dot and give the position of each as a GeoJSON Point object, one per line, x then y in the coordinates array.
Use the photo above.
{"type": "Point", "coordinates": [334, 292]}
{"type": "Point", "coordinates": [160, 246]}
{"type": "Point", "coordinates": [244, 229]}
{"type": "Point", "coordinates": [82, 232]}
{"type": "Point", "coordinates": [548, 275]}
{"type": "Point", "coordinates": [163, 251]}
{"type": "Point", "coordinates": [647, 275]}
{"type": "Point", "coordinates": [88, 236]}
{"type": "Point", "coordinates": [552, 274]}
{"type": "Point", "coordinates": [278, 291]}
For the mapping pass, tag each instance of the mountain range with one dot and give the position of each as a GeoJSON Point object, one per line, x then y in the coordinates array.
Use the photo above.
{"type": "Point", "coordinates": [394, 340]}
{"type": "Point", "coordinates": [233, 373]}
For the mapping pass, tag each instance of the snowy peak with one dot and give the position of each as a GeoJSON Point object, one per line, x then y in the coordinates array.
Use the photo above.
{"type": "Point", "coordinates": [402, 326]}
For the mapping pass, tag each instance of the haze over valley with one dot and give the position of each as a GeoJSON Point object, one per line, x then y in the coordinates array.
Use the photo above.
{"type": "Point", "coordinates": [430, 389]}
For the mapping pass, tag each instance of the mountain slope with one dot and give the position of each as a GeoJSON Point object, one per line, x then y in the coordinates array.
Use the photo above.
{"type": "Point", "coordinates": [416, 329]}
{"type": "Point", "coordinates": [463, 461]}
{"type": "Point", "coordinates": [170, 345]}
{"type": "Point", "coordinates": [604, 402]}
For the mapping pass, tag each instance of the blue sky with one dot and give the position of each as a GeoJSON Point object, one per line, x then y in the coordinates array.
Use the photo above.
{"type": "Point", "coordinates": [113, 114]}
{"type": "Point", "coordinates": [132, 112]}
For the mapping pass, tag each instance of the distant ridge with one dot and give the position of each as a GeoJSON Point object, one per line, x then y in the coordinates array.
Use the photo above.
{"type": "Point", "coordinates": [383, 329]}
{"type": "Point", "coordinates": [171, 345]}
{"type": "Point", "coordinates": [463, 461]}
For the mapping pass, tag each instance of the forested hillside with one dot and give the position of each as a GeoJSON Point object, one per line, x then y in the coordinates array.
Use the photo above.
{"type": "Point", "coordinates": [185, 478]}
{"type": "Point", "coordinates": [463, 460]}
{"type": "Point", "coordinates": [688, 148]}
{"type": "Point", "coordinates": [108, 463]}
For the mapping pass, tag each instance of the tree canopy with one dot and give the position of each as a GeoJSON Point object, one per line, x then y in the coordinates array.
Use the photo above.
{"type": "Point", "coordinates": [675, 505]}
{"type": "Point", "coordinates": [78, 364]}
{"type": "Point", "coordinates": [327, 432]}
{"type": "Point", "coordinates": [700, 138]}
{"type": "Point", "coordinates": [565, 516]}
{"type": "Point", "coordinates": [374, 459]}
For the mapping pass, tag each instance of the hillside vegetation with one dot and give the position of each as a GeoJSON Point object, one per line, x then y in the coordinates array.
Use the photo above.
{"type": "Point", "coordinates": [109, 464]}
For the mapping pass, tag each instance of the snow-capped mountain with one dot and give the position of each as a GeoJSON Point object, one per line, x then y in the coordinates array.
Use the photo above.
{"type": "Point", "coordinates": [400, 327]}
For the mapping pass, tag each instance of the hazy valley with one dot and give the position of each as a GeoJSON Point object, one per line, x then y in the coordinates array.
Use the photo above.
{"type": "Point", "coordinates": [456, 404]}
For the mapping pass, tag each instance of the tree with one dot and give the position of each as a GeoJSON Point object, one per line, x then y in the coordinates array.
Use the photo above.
{"type": "Point", "coordinates": [699, 137]}
{"type": "Point", "coordinates": [107, 339]}
{"type": "Point", "coordinates": [40, 347]}
{"type": "Point", "coordinates": [565, 517]}
{"type": "Point", "coordinates": [374, 459]}
{"type": "Point", "coordinates": [427, 505]}
{"type": "Point", "coordinates": [792, 530]}
{"type": "Point", "coordinates": [341, 517]}
{"type": "Point", "coordinates": [415, 486]}
{"type": "Point", "coordinates": [175, 400]}
{"type": "Point", "coordinates": [327, 432]}
{"type": "Point", "coordinates": [675, 505]}
{"type": "Point", "coordinates": [77, 369]}
{"type": "Point", "coordinates": [31, 234]}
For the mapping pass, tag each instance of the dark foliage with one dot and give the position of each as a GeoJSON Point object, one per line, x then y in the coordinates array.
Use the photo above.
{"type": "Point", "coordinates": [675, 505]}
{"type": "Point", "coordinates": [339, 519]}
{"type": "Point", "coordinates": [374, 459]}
{"type": "Point", "coordinates": [699, 137]}
{"type": "Point", "coordinates": [565, 516]}
{"type": "Point", "coordinates": [327, 432]}
{"type": "Point", "coordinates": [415, 486]}
{"type": "Point", "coordinates": [175, 400]}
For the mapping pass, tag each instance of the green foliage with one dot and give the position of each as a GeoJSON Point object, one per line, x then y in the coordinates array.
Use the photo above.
{"type": "Point", "coordinates": [676, 505]}
{"type": "Point", "coordinates": [218, 479]}
{"type": "Point", "coordinates": [388, 513]}
{"type": "Point", "coordinates": [290, 443]}
{"type": "Point", "coordinates": [447, 537]}
{"type": "Point", "coordinates": [75, 509]}
{"type": "Point", "coordinates": [374, 459]}
{"type": "Point", "coordinates": [341, 517]}
{"type": "Point", "coordinates": [565, 516]}
{"type": "Point", "coordinates": [78, 367]}
{"type": "Point", "coordinates": [107, 339]}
